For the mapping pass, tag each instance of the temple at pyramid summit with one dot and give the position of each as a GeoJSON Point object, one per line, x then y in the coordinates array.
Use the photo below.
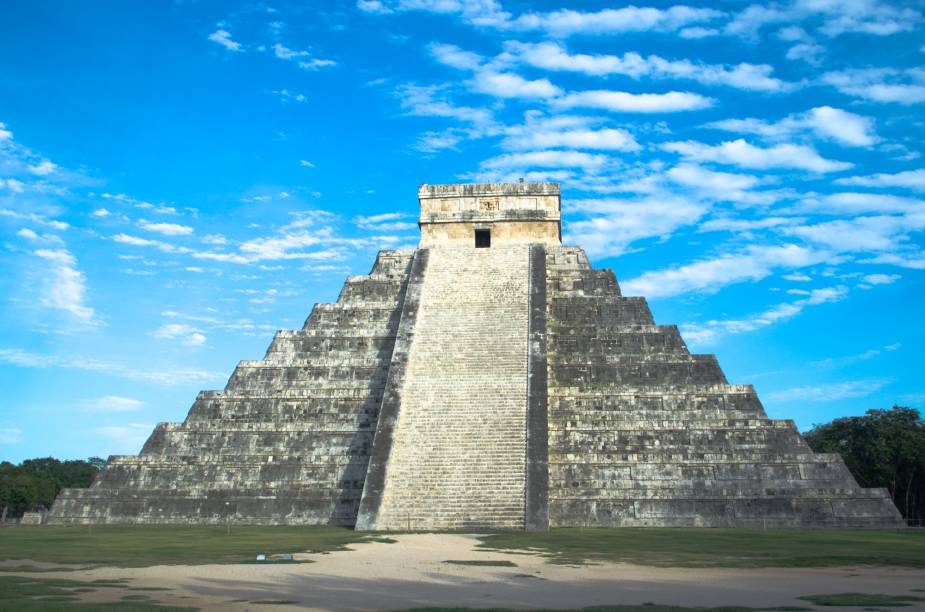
{"type": "Point", "coordinates": [488, 379]}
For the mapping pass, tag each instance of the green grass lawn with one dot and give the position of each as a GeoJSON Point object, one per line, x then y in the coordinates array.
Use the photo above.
{"type": "Point", "coordinates": [721, 547]}
{"type": "Point", "coordinates": [139, 546]}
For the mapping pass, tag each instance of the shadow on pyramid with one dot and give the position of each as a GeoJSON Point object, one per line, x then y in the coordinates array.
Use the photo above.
{"type": "Point", "coordinates": [489, 379]}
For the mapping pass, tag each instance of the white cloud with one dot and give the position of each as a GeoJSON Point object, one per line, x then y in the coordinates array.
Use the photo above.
{"type": "Point", "coordinates": [837, 17]}
{"type": "Point", "coordinates": [510, 85]}
{"type": "Point", "coordinates": [830, 392]}
{"type": "Point", "coordinates": [625, 102]}
{"type": "Point", "coordinates": [306, 164]}
{"type": "Point", "coordinates": [827, 122]}
{"type": "Point", "coordinates": [101, 212]}
{"type": "Point", "coordinates": [741, 153]}
{"type": "Point", "coordinates": [880, 279]}
{"type": "Point", "coordinates": [43, 168]}
{"type": "Point", "coordinates": [712, 330]}
{"type": "Point", "coordinates": [286, 96]}
{"type": "Point", "coordinates": [302, 58]}
{"type": "Point", "coordinates": [913, 261]}
{"type": "Point", "coordinates": [453, 56]}
{"type": "Point", "coordinates": [910, 179]}
{"type": "Point", "coordinates": [386, 222]}
{"type": "Point", "coordinates": [567, 131]}
{"type": "Point", "coordinates": [567, 22]}
{"type": "Point", "coordinates": [615, 224]}
{"type": "Point", "coordinates": [855, 203]}
{"type": "Point", "coordinates": [711, 275]}
{"type": "Point", "coordinates": [874, 233]}
{"type": "Point", "coordinates": [223, 37]}
{"type": "Point", "coordinates": [430, 101]}
{"type": "Point", "coordinates": [167, 229]}
{"type": "Point", "coordinates": [809, 52]}
{"type": "Point", "coordinates": [746, 225]}
{"type": "Point", "coordinates": [112, 403]}
{"type": "Point", "coordinates": [546, 159]}
{"type": "Point", "coordinates": [33, 236]}
{"type": "Point", "coordinates": [5, 134]}
{"type": "Point", "coordinates": [187, 334]}
{"type": "Point", "coordinates": [64, 286]}
{"type": "Point", "coordinates": [553, 56]}
{"type": "Point", "coordinates": [144, 242]}
{"type": "Point", "coordinates": [880, 84]}
{"type": "Point", "coordinates": [214, 239]}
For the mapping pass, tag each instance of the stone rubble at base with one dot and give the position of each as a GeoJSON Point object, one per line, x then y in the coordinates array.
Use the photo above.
{"type": "Point", "coordinates": [492, 388]}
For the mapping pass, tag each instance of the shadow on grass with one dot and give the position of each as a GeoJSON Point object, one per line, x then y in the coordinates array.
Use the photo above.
{"type": "Point", "coordinates": [26, 594]}
{"type": "Point", "coordinates": [863, 599]}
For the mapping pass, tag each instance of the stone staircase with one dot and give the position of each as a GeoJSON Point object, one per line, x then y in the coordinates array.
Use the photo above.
{"type": "Point", "coordinates": [457, 457]}
{"type": "Point", "coordinates": [286, 442]}
{"type": "Point", "coordinates": [642, 433]}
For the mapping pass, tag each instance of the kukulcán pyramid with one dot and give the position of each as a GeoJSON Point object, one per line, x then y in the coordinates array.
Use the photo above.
{"type": "Point", "coordinates": [489, 379]}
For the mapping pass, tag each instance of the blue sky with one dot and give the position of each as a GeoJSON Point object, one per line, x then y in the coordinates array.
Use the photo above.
{"type": "Point", "coordinates": [179, 180]}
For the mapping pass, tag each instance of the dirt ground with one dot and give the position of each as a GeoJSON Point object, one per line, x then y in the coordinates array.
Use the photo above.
{"type": "Point", "coordinates": [413, 572]}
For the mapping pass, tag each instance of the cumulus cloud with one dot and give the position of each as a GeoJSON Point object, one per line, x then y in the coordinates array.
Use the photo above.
{"type": "Point", "coordinates": [112, 403]}
{"type": "Point", "coordinates": [910, 179]}
{"type": "Point", "coordinates": [223, 38]}
{"type": "Point", "coordinates": [546, 159]}
{"type": "Point", "coordinates": [568, 22]}
{"type": "Point", "coordinates": [830, 392]}
{"type": "Point", "coordinates": [712, 274]}
{"type": "Point", "coordinates": [837, 18]}
{"type": "Point", "coordinates": [558, 23]}
{"type": "Point", "coordinates": [385, 222]}
{"type": "Point", "coordinates": [432, 101]}
{"type": "Point", "coordinates": [566, 131]}
{"type": "Point", "coordinates": [510, 85]}
{"type": "Point", "coordinates": [455, 57]}
{"type": "Point", "coordinates": [827, 122]}
{"type": "Point", "coordinates": [303, 59]}
{"type": "Point", "coordinates": [851, 203]}
{"type": "Point", "coordinates": [880, 84]}
{"type": "Point", "coordinates": [554, 56]}
{"type": "Point", "coordinates": [711, 331]}
{"type": "Point", "coordinates": [615, 224]}
{"type": "Point", "coordinates": [186, 334]}
{"type": "Point", "coordinates": [870, 233]}
{"type": "Point", "coordinates": [167, 229]}
{"type": "Point", "coordinates": [741, 153]}
{"type": "Point", "coordinates": [64, 286]}
{"type": "Point", "coordinates": [625, 102]}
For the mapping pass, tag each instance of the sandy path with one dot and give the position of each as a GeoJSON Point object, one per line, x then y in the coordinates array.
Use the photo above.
{"type": "Point", "coordinates": [412, 573]}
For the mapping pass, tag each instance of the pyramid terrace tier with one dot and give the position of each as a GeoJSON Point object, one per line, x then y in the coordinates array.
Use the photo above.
{"type": "Point", "coordinates": [455, 387]}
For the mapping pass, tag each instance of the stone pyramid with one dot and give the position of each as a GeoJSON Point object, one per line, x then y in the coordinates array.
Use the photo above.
{"type": "Point", "coordinates": [489, 379]}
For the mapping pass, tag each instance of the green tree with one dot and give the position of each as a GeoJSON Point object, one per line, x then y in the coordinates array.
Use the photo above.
{"type": "Point", "coordinates": [883, 448]}
{"type": "Point", "coordinates": [35, 483]}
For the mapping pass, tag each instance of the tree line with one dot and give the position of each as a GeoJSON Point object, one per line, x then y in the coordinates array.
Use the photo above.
{"type": "Point", "coordinates": [883, 448]}
{"type": "Point", "coordinates": [34, 483]}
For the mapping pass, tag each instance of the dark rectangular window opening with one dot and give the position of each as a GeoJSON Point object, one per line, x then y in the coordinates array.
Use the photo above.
{"type": "Point", "coordinates": [482, 238]}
